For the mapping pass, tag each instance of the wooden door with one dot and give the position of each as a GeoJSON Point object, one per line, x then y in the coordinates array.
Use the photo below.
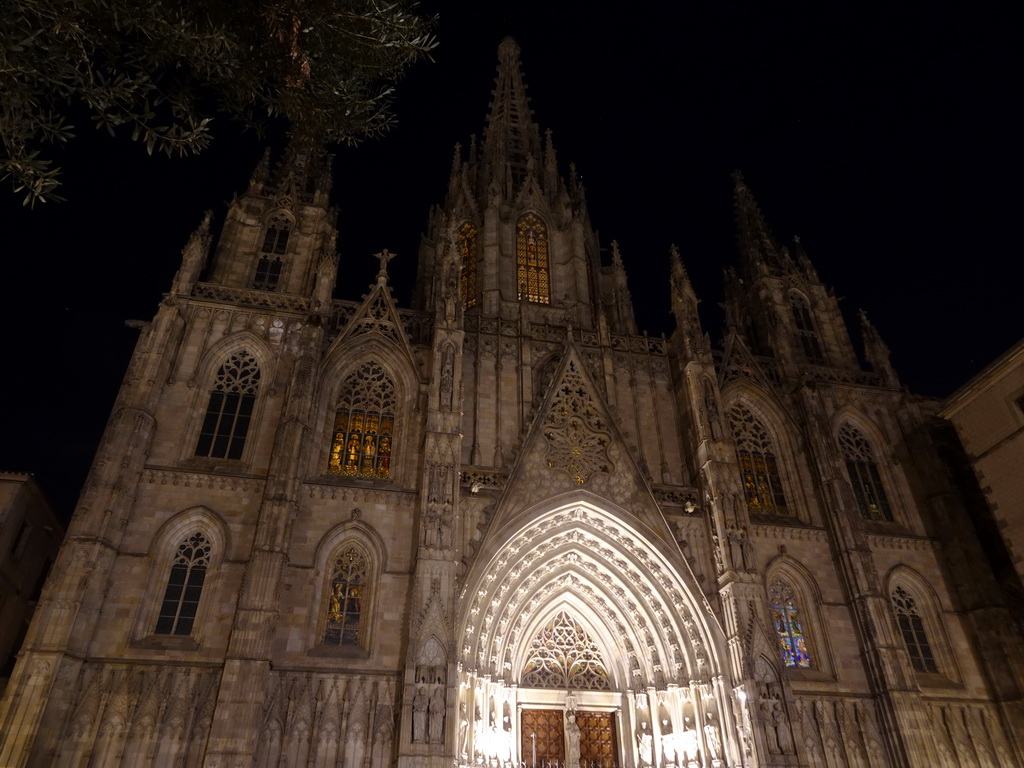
{"type": "Point", "coordinates": [544, 728]}
{"type": "Point", "coordinates": [597, 740]}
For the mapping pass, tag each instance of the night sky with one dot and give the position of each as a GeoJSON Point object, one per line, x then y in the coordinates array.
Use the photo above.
{"type": "Point", "coordinates": [881, 136]}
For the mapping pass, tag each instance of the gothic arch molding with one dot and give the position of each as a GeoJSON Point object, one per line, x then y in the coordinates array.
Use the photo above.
{"type": "Point", "coordinates": [599, 556]}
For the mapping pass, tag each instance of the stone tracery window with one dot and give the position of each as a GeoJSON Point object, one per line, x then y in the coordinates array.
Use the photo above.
{"type": "Point", "coordinates": [806, 333]}
{"type": "Point", "coordinates": [346, 599]}
{"type": "Point", "coordinates": [230, 407]}
{"type": "Point", "coordinates": [533, 279]}
{"type": "Point", "coordinates": [275, 243]}
{"type": "Point", "coordinates": [863, 471]}
{"type": "Point", "coordinates": [759, 470]}
{"type": "Point", "coordinates": [364, 424]}
{"type": "Point", "coordinates": [912, 628]}
{"type": "Point", "coordinates": [787, 618]}
{"type": "Point", "coordinates": [468, 244]}
{"type": "Point", "coordinates": [184, 586]}
{"type": "Point", "coordinates": [563, 655]}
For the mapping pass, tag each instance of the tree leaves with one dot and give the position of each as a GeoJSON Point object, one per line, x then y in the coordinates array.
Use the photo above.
{"type": "Point", "coordinates": [164, 68]}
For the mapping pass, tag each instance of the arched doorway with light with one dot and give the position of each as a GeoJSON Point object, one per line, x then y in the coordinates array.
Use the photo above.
{"type": "Point", "coordinates": [581, 611]}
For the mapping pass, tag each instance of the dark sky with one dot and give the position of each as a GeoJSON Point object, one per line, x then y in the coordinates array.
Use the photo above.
{"type": "Point", "coordinates": [885, 137]}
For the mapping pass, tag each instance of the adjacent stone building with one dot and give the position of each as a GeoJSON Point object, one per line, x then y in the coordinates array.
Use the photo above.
{"type": "Point", "coordinates": [30, 537]}
{"type": "Point", "coordinates": [504, 527]}
{"type": "Point", "coordinates": [988, 414]}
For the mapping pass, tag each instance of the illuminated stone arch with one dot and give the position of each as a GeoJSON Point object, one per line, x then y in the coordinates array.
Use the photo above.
{"type": "Point", "coordinates": [594, 560]}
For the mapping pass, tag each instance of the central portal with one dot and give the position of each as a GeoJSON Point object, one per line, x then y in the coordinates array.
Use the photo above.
{"type": "Point", "coordinates": [542, 738]}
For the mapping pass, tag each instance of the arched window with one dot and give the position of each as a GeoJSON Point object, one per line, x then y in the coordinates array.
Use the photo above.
{"type": "Point", "coordinates": [789, 626]}
{"type": "Point", "coordinates": [469, 250]}
{"type": "Point", "coordinates": [912, 628]}
{"type": "Point", "coordinates": [275, 242]}
{"type": "Point", "coordinates": [759, 470]}
{"type": "Point", "coordinates": [563, 655]}
{"type": "Point", "coordinates": [230, 408]}
{"type": "Point", "coordinates": [532, 276]}
{"type": "Point", "coordinates": [346, 599]}
{"type": "Point", "coordinates": [364, 424]}
{"type": "Point", "coordinates": [806, 334]}
{"type": "Point", "coordinates": [863, 471]}
{"type": "Point", "coordinates": [184, 586]}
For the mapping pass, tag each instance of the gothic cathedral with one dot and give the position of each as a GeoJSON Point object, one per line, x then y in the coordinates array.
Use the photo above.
{"type": "Point", "coordinates": [503, 528]}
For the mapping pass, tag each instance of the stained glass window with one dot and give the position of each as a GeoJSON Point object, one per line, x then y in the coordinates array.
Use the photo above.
{"type": "Point", "coordinates": [805, 331]}
{"type": "Point", "coordinates": [912, 629]}
{"type": "Point", "coordinates": [275, 239]}
{"type": "Point", "coordinates": [468, 249]}
{"type": "Point", "coordinates": [788, 626]}
{"type": "Point", "coordinates": [759, 471]}
{"type": "Point", "coordinates": [364, 424]}
{"type": "Point", "coordinates": [229, 410]}
{"type": "Point", "coordinates": [184, 587]}
{"type": "Point", "coordinates": [268, 273]}
{"type": "Point", "coordinates": [563, 655]}
{"type": "Point", "coordinates": [863, 471]}
{"type": "Point", "coordinates": [532, 277]}
{"type": "Point", "coordinates": [345, 600]}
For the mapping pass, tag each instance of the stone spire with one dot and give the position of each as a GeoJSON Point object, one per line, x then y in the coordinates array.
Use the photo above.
{"type": "Point", "coordinates": [684, 304]}
{"type": "Point", "coordinates": [511, 137]}
{"type": "Point", "coordinates": [876, 352]}
{"type": "Point", "coordinates": [758, 251]}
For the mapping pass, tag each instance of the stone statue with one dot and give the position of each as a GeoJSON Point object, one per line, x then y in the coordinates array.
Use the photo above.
{"type": "Point", "coordinates": [419, 716]}
{"type": "Point", "coordinates": [782, 728]}
{"type": "Point", "coordinates": [572, 742]}
{"type": "Point", "coordinates": [770, 734]}
{"type": "Point", "coordinates": [437, 716]}
{"type": "Point", "coordinates": [713, 737]}
{"type": "Point", "coordinates": [690, 742]}
{"type": "Point", "coordinates": [645, 745]}
{"type": "Point", "coordinates": [668, 743]}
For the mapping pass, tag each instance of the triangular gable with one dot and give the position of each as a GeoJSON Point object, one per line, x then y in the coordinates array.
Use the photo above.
{"type": "Point", "coordinates": [376, 318]}
{"type": "Point", "coordinates": [739, 363]}
{"type": "Point", "coordinates": [573, 443]}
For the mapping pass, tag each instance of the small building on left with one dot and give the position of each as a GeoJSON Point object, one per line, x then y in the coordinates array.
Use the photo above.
{"type": "Point", "coordinates": [30, 537]}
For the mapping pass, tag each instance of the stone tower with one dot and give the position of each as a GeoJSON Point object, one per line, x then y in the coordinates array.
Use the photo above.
{"type": "Point", "coordinates": [503, 527]}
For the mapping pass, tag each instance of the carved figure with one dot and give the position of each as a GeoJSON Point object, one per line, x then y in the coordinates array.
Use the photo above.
{"type": "Point", "coordinates": [770, 734]}
{"type": "Point", "coordinates": [419, 716]}
{"type": "Point", "coordinates": [690, 743]}
{"type": "Point", "coordinates": [713, 737]}
{"type": "Point", "coordinates": [783, 730]}
{"type": "Point", "coordinates": [645, 745]}
{"type": "Point", "coordinates": [668, 743]}
{"type": "Point", "coordinates": [572, 742]}
{"type": "Point", "coordinates": [436, 728]}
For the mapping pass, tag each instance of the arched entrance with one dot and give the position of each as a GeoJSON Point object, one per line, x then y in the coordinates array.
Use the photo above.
{"type": "Point", "coordinates": [581, 611]}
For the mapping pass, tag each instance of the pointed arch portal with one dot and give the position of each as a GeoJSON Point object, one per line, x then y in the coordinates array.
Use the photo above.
{"type": "Point", "coordinates": [579, 611]}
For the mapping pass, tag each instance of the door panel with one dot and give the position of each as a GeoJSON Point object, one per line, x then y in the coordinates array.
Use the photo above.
{"type": "Point", "coordinates": [597, 740]}
{"type": "Point", "coordinates": [549, 727]}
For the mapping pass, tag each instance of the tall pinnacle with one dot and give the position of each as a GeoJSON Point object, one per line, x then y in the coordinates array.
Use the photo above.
{"type": "Point", "coordinates": [511, 138]}
{"type": "Point", "coordinates": [758, 249]}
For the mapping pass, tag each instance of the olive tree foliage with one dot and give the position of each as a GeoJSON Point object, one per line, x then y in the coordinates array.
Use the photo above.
{"type": "Point", "coordinates": [159, 70]}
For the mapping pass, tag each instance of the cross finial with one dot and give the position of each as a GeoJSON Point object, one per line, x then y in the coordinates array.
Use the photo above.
{"type": "Point", "coordinates": [384, 257]}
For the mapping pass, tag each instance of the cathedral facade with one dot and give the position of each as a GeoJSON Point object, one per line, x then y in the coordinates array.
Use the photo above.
{"type": "Point", "coordinates": [502, 527]}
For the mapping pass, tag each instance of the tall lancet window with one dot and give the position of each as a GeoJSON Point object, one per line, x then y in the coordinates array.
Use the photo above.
{"type": "Point", "coordinates": [184, 587]}
{"type": "Point", "coordinates": [364, 424]}
{"type": "Point", "coordinates": [912, 629]}
{"type": "Point", "coordinates": [230, 408]}
{"type": "Point", "coordinates": [759, 470]}
{"type": "Point", "coordinates": [788, 625]}
{"type": "Point", "coordinates": [346, 599]}
{"type": "Point", "coordinates": [863, 471]}
{"type": "Point", "coordinates": [563, 655]}
{"type": "Point", "coordinates": [806, 334]}
{"type": "Point", "coordinates": [532, 275]}
{"type": "Point", "coordinates": [469, 251]}
{"type": "Point", "coordinates": [275, 242]}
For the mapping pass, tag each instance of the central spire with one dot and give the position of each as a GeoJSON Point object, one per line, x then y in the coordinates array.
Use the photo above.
{"type": "Point", "coordinates": [511, 138]}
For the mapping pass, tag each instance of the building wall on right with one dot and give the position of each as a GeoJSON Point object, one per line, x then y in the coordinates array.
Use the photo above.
{"type": "Point", "coordinates": [988, 415]}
